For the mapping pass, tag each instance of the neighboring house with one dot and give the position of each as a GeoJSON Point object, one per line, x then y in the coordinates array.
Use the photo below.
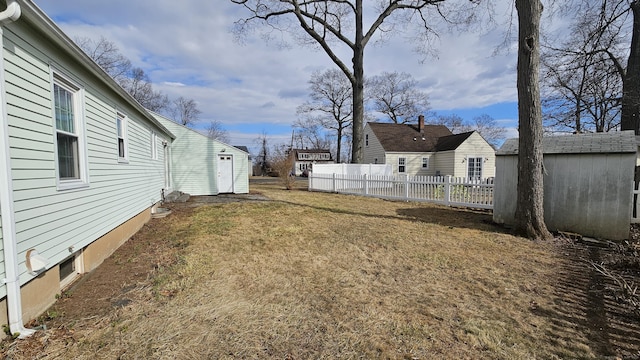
{"type": "Point", "coordinates": [203, 166]}
{"type": "Point", "coordinates": [250, 165]}
{"type": "Point", "coordinates": [588, 183]}
{"type": "Point", "coordinates": [428, 150]}
{"type": "Point", "coordinates": [305, 158]}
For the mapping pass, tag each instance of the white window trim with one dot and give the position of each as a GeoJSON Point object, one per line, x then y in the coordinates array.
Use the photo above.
{"type": "Point", "coordinates": [125, 139]}
{"type": "Point", "coordinates": [423, 163]}
{"type": "Point", "coordinates": [58, 78]}
{"type": "Point", "coordinates": [481, 158]}
{"type": "Point", "coordinates": [154, 145]}
{"type": "Point", "coordinates": [404, 165]}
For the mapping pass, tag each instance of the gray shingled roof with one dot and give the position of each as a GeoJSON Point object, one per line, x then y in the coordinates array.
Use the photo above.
{"type": "Point", "coordinates": [595, 143]}
{"type": "Point", "coordinates": [407, 137]}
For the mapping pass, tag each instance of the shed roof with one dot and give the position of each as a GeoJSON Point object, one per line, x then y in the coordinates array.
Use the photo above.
{"type": "Point", "coordinates": [407, 137]}
{"type": "Point", "coordinates": [593, 143]}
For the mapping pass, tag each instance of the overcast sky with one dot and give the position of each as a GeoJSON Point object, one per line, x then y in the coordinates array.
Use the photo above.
{"type": "Point", "coordinates": [187, 49]}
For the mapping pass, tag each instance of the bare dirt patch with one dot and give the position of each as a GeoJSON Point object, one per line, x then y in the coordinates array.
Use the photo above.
{"type": "Point", "coordinates": [308, 275]}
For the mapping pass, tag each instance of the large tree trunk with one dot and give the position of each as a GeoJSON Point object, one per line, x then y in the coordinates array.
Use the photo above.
{"type": "Point", "coordinates": [631, 85]}
{"type": "Point", "coordinates": [357, 155]}
{"type": "Point", "coordinates": [529, 217]}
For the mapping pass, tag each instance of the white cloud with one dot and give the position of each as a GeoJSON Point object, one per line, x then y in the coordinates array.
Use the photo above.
{"type": "Point", "coordinates": [188, 50]}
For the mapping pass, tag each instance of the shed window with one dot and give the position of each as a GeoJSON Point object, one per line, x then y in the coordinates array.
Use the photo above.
{"type": "Point", "coordinates": [425, 162]}
{"type": "Point", "coordinates": [402, 165]}
{"type": "Point", "coordinates": [69, 137]}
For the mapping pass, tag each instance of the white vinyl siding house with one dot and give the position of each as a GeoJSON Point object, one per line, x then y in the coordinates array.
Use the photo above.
{"type": "Point", "coordinates": [373, 151]}
{"type": "Point", "coordinates": [202, 166]}
{"type": "Point", "coordinates": [69, 188]}
{"type": "Point", "coordinates": [432, 151]}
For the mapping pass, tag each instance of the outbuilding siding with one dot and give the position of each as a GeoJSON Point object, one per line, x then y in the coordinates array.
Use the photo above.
{"type": "Point", "coordinates": [195, 161]}
{"type": "Point", "coordinates": [588, 182]}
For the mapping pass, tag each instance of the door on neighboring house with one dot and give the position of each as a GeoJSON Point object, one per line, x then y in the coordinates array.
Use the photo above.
{"type": "Point", "coordinates": [225, 173]}
{"type": "Point", "coordinates": [474, 168]}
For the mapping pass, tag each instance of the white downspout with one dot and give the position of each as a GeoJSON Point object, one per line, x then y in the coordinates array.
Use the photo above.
{"type": "Point", "coordinates": [12, 280]}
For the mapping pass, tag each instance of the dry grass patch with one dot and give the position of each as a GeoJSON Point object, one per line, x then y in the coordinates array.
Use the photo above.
{"type": "Point", "coordinates": [312, 275]}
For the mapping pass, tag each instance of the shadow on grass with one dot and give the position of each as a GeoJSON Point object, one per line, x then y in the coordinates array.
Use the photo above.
{"type": "Point", "coordinates": [584, 311]}
{"type": "Point", "coordinates": [454, 218]}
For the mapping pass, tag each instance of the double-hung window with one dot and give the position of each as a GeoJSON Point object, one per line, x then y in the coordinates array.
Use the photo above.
{"type": "Point", "coordinates": [121, 129]}
{"type": "Point", "coordinates": [402, 163]}
{"type": "Point", "coordinates": [425, 162]}
{"type": "Point", "coordinates": [69, 134]}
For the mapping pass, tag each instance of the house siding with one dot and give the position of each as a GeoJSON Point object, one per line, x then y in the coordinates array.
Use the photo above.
{"type": "Point", "coordinates": [475, 146]}
{"type": "Point", "coordinates": [194, 167]}
{"type": "Point", "coordinates": [443, 163]}
{"type": "Point", "coordinates": [59, 222]}
{"type": "Point", "coordinates": [374, 150]}
{"type": "Point", "coordinates": [413, 163]}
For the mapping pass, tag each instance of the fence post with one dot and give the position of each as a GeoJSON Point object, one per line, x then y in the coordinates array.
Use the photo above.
{"type": "Point", "coordinates": [333, 176]}
{"type": "Point", "coordinates": [406, 187]}
{"type": "Point", "coordinates": [366, 184]}
{"type": "Point", "coordinates": [447, 190]}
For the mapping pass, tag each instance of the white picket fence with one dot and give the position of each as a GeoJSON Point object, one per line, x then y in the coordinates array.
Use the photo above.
{"type": "Point", "coordinates": [444, 190]}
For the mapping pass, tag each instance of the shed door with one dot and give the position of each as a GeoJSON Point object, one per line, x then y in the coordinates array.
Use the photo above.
{"type": "Point", "coordinates": [225, 173]}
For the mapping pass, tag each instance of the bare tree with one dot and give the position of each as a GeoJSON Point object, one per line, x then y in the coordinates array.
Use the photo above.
{"type": "Point", "coordinates": [263, 156]}
{"type": "Point", "coordinates": [529, 216]}
{"type": "Point", "coordinates": [217, 132]}
{"type": "Point", "coordinates": [397, 96]}
{"type": "Point", "coordinates": [137, 84]}
{"type": "Point", "coordinates": [339, 25]}
{"type": "Point", "coordinates": [185, 111]}
{"type": "Point", "coordinates": [453, 122]}
{"type": "Point", "coordinates": [107, 55]}
{"type": "Point", "coordinates": [330, 105]}
{"type": "Point", "coordinates": [630, 119]}
{"type": "Point", "coordinates": [310, 135]}
{"type": "Point", "coordinates": [583, 75]}
{"type": "Point", "coordinates": [484, 124]}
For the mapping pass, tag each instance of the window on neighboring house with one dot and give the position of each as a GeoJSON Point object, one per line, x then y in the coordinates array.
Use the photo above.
{"type": "Point", "coordinates": [366, 140]}
{"type": "Point", "coordinates": [70, 153]}
{"type": "Point", "coordinates": [154, 145]}
{"type": "Point", "coordinates": [474, 168]}
{"type": "Point", "coordinates": [402, 165]}
{"type": "Point", "coordinates": [121, 129]}
{"type": "Point", "coordinates": [425, 162]}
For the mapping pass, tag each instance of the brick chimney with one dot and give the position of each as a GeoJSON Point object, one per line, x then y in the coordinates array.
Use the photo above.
{"type": "Point", "coordinates": [421, 124]}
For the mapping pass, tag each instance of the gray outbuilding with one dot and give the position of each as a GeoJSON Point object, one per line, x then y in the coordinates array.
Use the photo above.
{"type": "Point", "coordinates": [588, 183]}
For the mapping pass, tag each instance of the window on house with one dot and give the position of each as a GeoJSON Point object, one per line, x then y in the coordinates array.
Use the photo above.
{"type": "Point", "coordinates": [366, 139]}
{"type": "Point", "coordinates": [425, 162]}
{"type": "Point", "coordinates": [402, 165]}
{"type": "Point", "coordinates": [474, 168]}
{"type": "Point", "coordinates": [154, 145]}
{"type": "Point", "coordinates": [70, 155]}
{"type": "Point", "coordinates": [69, 269]}
{"type": "Point", "coordinates": [121, 129]}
